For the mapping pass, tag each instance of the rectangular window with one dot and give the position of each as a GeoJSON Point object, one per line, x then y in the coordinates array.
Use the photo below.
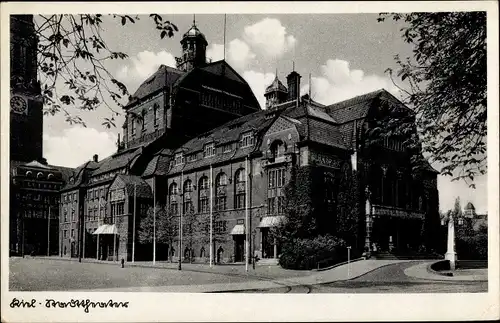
{"type": "Point", "coordinates": [156, 117]}
{"type": "Point", "coordinates": [65, 234]}
{"type": "Point", "coordinates": [191, 157]}
{"type": "Point", "coordinates": [179, 159]}
{"type": "Point", "coordinates": [220, 227]}
{"type": "Point", "coordinates": [204, 207]}
{"type": "Point", "coordinates": [221, 203]}
{"type": "Point", "coordinates": [247, 140]}
{"type": "Point", "coordinates": [270, 205]}
{"type": "Point", "coordinates": [174, 208]}
{"type": "Point", "coordinates": [187, 207]}
{"type": "Point", "coordinates": [281, 204]}
{"type": "Point", "coordinates": [209, 150]}
{"type": "Point", "coordinates": [226, 148]}
{"type": "Point", "coordinates": [239, 202]}
{"type": "Point", "coordinates": [72, 233]}
{"type": "Point", "coordinates": [133, 124]}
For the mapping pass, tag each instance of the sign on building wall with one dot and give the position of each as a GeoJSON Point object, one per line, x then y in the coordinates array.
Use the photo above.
{"type": "Point", "coordinates": [327, 160]}
{"type": "Point", "coordinates": [117, 195]}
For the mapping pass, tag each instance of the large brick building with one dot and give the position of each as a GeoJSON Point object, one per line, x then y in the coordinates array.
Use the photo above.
{"type": "Point", "coordinates": [34, 185]}
{"type": "Point", "coordinates": [197, 145]}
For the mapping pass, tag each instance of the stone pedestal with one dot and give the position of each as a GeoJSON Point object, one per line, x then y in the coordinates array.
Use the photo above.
{"type": "Point", "coordinates": [451, 255]}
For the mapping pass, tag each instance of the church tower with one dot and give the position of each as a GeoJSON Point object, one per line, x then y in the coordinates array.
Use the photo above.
{"type": "Point", "coordinates": [26, 104]}
{"type": "Point", "coordinates": [194, 49]}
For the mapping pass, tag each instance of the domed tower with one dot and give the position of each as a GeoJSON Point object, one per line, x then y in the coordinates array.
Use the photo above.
{"type": "Point", "coordinates": [470, 210]}
{"type": "Point", "coordinates": [276, 93]}
{"type": "Point", "coordinates": [194, 49]}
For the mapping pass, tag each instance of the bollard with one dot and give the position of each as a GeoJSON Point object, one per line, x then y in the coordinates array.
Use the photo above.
{"type": "Point", "coordinates": [123, 262]}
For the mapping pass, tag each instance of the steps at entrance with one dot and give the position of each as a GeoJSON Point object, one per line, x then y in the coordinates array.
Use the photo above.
{"type": "Point", "coordinates": [386, 255]}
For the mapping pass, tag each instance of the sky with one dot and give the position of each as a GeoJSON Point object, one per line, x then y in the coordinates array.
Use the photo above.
{"type": "Point", "coordinates": [346, 55]}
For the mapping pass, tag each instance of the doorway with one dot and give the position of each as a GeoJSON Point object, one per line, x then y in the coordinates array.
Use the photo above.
{"type": "Point", "coordinates": [239, 248]}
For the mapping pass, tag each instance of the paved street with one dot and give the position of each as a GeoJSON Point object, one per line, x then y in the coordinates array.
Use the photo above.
{"type": "Point", "coordinates": [373, 276]}
{"type": "Point", "coordinates": [389, 279]}
{"type": "Point", "coordinates": [38, 274]}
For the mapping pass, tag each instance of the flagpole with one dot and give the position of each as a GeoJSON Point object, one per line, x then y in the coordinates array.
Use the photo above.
{"type": "Point", "coordinates": [247, 251]}
{"type": "Point", "coordinates": [115, 256]}
{"type": "Point", "coordinates": [98, 223]}
{"type": "Point", "coordinates": [180, 220]}
{"type": "Point", "coordinates": [133, 225]}
{"type": "Point", "coordinates": [48, 233]}
{"type": "Point", "coordinates": [211, 218]}
{"type": "Point", "coordinates": [154, 220]}
{"type": "Point", "coordinates": [84, 234]}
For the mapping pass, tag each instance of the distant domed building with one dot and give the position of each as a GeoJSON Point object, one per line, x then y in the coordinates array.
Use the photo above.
{"type": "Point", "coordinates": [469, 211]}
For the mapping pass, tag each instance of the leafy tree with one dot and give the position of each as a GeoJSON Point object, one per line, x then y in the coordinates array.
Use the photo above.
{"type": "Point", "coordinates": [446, 86]}
{"type": "Point", "coordinates": [166, 226]}
{"type": "Point", "coordinates": [189, 230]}
{"type": "Point", "coordinates": [72, 58]}
{"type": "Point", "coordinates": [218, 236]}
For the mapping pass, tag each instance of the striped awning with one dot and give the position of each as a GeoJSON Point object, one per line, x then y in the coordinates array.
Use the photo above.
{"type": "Point", "coordinates": [271, 221]}
{"type": "Point", "coordinates": [106, 229]}
{"type": "Point", "coordinates": [238, 229]}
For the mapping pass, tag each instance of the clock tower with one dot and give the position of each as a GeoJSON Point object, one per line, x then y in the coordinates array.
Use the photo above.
{"type": "Point", "coordinates": [26, 104]}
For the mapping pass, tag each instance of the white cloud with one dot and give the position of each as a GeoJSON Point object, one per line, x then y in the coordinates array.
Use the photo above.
{"type": "Point", "coordinates": [258, 82]}
{"type": "Point", "coordinates": [339, 83]}
{"type": "Point", "coordinates": [143, 65]}
{"type": "Point", "coordinates": [215, 52]}
{"type": "Point", "coordinates": [269, 36]}
{"type": "Point", "coordinates": [238, 52]}
{"type": "Point", "coordinates": [77, 145]}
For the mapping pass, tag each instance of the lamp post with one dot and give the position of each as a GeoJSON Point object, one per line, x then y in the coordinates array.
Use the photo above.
{"type": "Point", "coordinates": [348, 262]}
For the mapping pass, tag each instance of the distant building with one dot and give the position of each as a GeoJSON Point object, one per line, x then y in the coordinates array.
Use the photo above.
{"type": "Point", "coordinates": [477, 221]}
{"type": "Point", "coordinates": [195, 141]}
{"type": "Point", "coordinates": [34, 185]}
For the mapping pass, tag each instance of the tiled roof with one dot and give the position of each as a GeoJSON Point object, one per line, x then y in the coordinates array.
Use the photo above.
{"type": "Point", "coordinates": [116, 161]}
{"type": "Point", "coordinates": [354, 108]}
{"type": "Point", "coordinates": [276, 85]}
{"type": "Point", "coordinates": [163, 77]}
{"type": "Point", "coordinates": [66, 172]}
{"type": "Point", "coordinates": [132, 181]}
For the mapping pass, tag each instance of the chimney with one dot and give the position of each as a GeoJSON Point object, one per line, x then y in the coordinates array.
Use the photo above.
{"type": "Point", "coordinates": [96, 158]}
{"type": "Point", "coordinates": [293, 81]}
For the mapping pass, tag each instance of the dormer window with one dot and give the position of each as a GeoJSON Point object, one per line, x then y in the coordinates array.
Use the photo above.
{"type": "Point", "coordinates": [133, 126]}
{"type": "Point", "coordinates": [143, 120]}
{"type": "Point", "coordinates": [39, 175]}
{"type": "Point", "coordinates": [179, 159]}
{"type": "Point", "coordinates": [209, 150]}
{"type": "Point", "coordinates": [227, 148]}
{"type": "Point", "coordinates": [191, 157]}
{"type": "Point", "coordinates": [247, 140]}
{"type": "Point", "coordinates": [29, 173]}
{"type": "Point", "coordinates": [278, 149]}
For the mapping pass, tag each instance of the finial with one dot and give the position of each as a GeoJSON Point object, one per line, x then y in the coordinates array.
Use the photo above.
{"type": "Point", "coordinates": [194, 19]}
{"type": "Point", "coordinates": [276, 72]}
{"type": "Point", "coordinates": [293, 66]}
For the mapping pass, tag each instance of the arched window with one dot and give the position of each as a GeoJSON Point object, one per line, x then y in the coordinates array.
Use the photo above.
{"type": "Point", "coordinates": [172, 192]}
{"type": "Point", "coordinates": [278, 149]}
{"type": "Point", "coordinates": [203, 204]}
{"type": "Point", "coordinates": [29, 173]}
{"type": "Point", "coordinates": [220, 192]}
{"type": "Point", "coordinates": [143, 119]}
{"type": "Point", "coordinates": [50, 176]}
{"type": "Point", "coordinates": [187, 205]}
{"type": "Point", "coordinates": [239, 191]}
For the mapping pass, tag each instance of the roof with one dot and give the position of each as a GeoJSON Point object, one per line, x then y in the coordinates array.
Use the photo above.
{"type": "Point", "coordinates": [65, 171]}
{"type": "Point", "coordinates": [470, 206]}
{"type": "Point", "coordinates": [276, 85]}
{"type": "Point", "coordinates": [164, 77]}
{"type": "Point", "coordinates": [116, 161]}
{"type": "Point", "coordinates": [194, 32]}
{"type": "Point", "coordinates": [133, 182]}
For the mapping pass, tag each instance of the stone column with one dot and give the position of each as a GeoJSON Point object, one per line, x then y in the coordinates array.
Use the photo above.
{"type": "Point", "coordinates": [451, 255]}
{"type": "Point", "coordinates": [275, 246]}
{"type": "Point", "coordinates": [368, 214]}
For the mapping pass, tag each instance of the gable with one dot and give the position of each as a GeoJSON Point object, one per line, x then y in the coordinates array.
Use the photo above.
{"type": "Point", "coordinates": [223, 68]}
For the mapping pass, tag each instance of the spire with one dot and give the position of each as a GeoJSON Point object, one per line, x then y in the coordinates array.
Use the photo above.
{"type": "Point", "coordinates": [194, 19]}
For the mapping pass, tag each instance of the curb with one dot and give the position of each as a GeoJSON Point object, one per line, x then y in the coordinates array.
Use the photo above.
{"type": "Point", "coordinates": [340, 264]}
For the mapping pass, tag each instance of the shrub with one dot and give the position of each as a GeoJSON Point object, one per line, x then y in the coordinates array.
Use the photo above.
{"type": "Point", "coordinates": [472, 247]}
{"type": "Point", "coordinates": [306, 253]}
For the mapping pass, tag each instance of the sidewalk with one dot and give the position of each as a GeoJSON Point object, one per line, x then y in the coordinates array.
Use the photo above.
{"type": "Point", "coordinates": [344, 272]}
{"type": "Point", "coordinates": [420, 271]}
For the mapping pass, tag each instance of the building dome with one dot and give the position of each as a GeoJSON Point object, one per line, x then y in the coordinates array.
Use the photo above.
{"type": "Point", "coordinates": [194, 32]}
{"type": "Point", "coordinates": [470, 206]}
{"type": "Point", "coordinates": [276, 86]}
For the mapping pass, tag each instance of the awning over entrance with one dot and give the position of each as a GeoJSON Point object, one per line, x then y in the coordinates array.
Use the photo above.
{"type": "Point", "coordinates": [271, 221]}
{"type": "Point", "coordinates": [106, 229]}
{"type": "Point", "coordinates": [238, 229]}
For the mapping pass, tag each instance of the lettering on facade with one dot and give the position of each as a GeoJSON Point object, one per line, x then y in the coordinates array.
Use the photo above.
{"type": "Point", "coordinates": [117, 195]}
{"type": "Point", "coordinates": [327, 160]}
